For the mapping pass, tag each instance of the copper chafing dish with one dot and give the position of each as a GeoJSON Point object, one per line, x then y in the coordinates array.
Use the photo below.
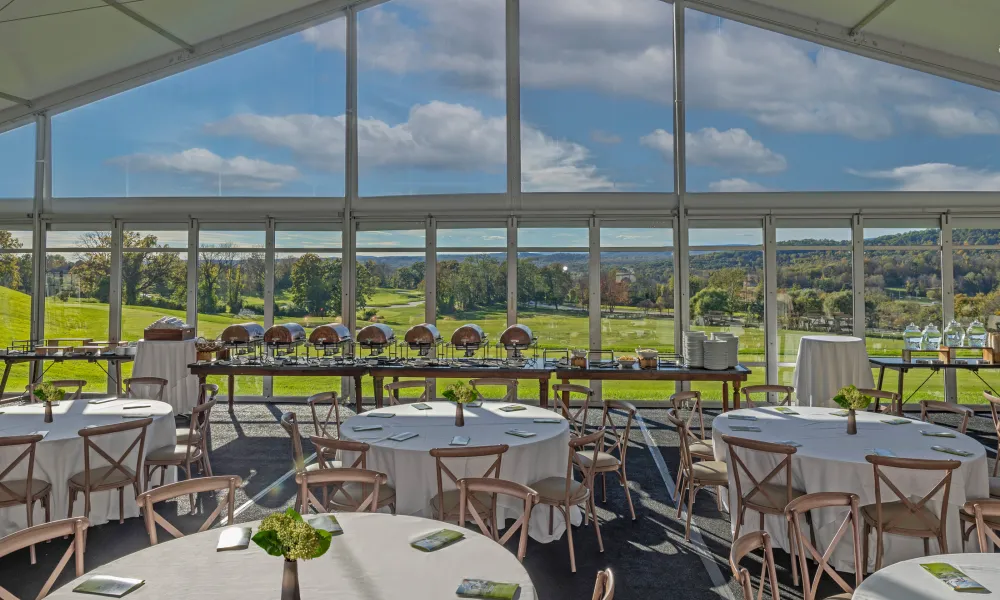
{"type": "Point", "coordinates": [517, 338]}
{"type": "Point", "coordinates": [330, 334]}
{"type": "Point", "coordinates": [243, 333]}
{"type": "Point", "coordinates": [376, 337]}
{"type": "Point", "coordinates": [469, 338]}
{"type": "Point", "coordinates": [422, 338]}
{"type": "Point", "coordinates": [285, 334]}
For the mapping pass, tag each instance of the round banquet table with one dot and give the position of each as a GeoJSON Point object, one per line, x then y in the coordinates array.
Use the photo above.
{"type": "Point", "coordinates": [829, 460]}
{"type": "Point", "coordinates": [907, 580]}
{"type": "Point", "coordinates": [371, 560]}
{"type": "Point", "coordinates": [827, 363]}
{"type": "Point", "coordinates": [59, 455]}
{"type": "Point", "coordinates": [412, 470]}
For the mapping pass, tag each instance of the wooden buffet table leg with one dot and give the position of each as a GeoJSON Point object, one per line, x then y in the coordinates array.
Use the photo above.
{"type": "Point", "coordinates": [201, 388]}
{"type": "Point", "coordinates": [543, 392]}
{"type": "Point", "coordinates": [899, 390]}
{"type": "Point", "coordinates": [118, 381]}
{"type": "Point", "coordinates": [736, 394]}
{"type": "Point", "coordinates": [565, 400]}
{"type": "Point", "coordinates": [725, 397]}
{"type": "Point", "coordinates": [881, 378]}
{"type": "Point", "coordinates": [232, 389]}
{"type": "Point", "coordinates": [395, 393]}
{"type": "Point", "coordinates": [6, 373]}
{"type": "Point", "coordinates": [357, 394]}
{"type": "Point", "coordinates": [377, 381]}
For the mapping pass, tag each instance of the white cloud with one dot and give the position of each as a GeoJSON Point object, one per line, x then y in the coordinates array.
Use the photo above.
{"type": "Point", "coordinates": [238, 171]}
{"type": "Point", "coordinates": [436, 135]}
{"type": "Point", "coordinates": [605, 137]}
{"type": "Point", "coordinates": [929, 177]}
{"type": "Point", "coordinates": [952, 119]}
{"type": "Point", "coordinates": [736, 185]}
{"type": "Point", "coordinates": [732, 150]}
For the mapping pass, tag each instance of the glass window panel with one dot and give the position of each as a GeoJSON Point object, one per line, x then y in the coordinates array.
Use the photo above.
{"type": "Point", "coordinates": [308, 239]}
{"type": "Point", "coordinates": [977, 296]}
{"type": "Point", "coordinates": [154, 284]}
{"type": "Point", "coordinates": [386, 239]}
{"type": "Point", "coordinates": [975, 237]}
{"type": "Point", "coordinates": [726, 237]}
{"type": "Point", "coordinates": [624, 237]}
{"type": "Point", "coordinates": [813, 236]}
{"type": "Point", "coordinates": [390, 290]}
{"type": "Point", "coordinates": [17, 162]}
{"type": "Point", "coordinates": [155, 239]}
{"type": "Point", "coordinates": [553, 237]}
{"type": "Point", "coordinates": [431, 98]}
{"type": "Point", "coordinates": [596, 96]}
{"type": "Point", "coordinates": [15, 299]}
{"type": "Point", "coordinates": [901, 237]}
{"type": "Point", "coordinates": [494, 237]}
{"type": "Point", "coordinates": [472, 288]}
{"type": "Point", "coordinates": [267, 121]}
{"type": "Point", "coordinates": [210, 238]}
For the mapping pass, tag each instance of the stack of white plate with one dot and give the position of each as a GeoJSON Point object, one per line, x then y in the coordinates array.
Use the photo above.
{"type": "Point", "coordinates": [716, 355]}
{"type": "Point", "coordinates": [733, 346]}
{"type": "Point", "coordinates": [694, 353]}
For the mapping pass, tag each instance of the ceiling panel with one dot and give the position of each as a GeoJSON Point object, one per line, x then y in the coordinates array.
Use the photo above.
{"type": "Point", "coordinates": [213, 18]}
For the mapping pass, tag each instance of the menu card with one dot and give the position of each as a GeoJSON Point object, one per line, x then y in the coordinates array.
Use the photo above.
{"type": "Point", "coordinates": [366, 428]}
{"type": "Point", "coordinates": [883, 452]}
{"type": "Point", "coordinates": [326, 522]}
{"type": "Point", "coordinates": [785, 410]}
{"type": "Point", "coordinates": [791, 443]}
{"type": "Point", "coordinates": [548, 420]}
{"type": "Point", "coordinates": [144, 415]}
{"type": "Point", "coordinates": [421, 406]}
{"type": "Point", "coordinates": [102, 401]}
{"type": "Point", "coordinates": [950, 450]}
{"type": "Point", "coordinates": [106, 585]}
{"type": "Point", "coordinates": [513, 407]}
{"type": "Point", "coordinates": [459, 440]}
{"type": "Point", "coordinates": [234, 538]}
{"type": "Point", "coordinates": [896, 421]}
{"type": "Point", "coordinates": [745, 428]}
{"type": "Point", "coordinates": [841, 413]}
{"type": "Point", "coordinates": [520, 433]}
{"type": "Point", "coordinates": [952, 577]}
{"type": "Point", "coordinates": [437, 540]}
{"type": "Point", "coordinates": [402, 437]}
{"type": "Point", "coordinates": [944, 434]}
{"type": "Point", "coordinates": [493, 590]}
{"type": "Point", "coordinates": [379, 415]}
{"type": "Point", "coordinates": [741, 417]}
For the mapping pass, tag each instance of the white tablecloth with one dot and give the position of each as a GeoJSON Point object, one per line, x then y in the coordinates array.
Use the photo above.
{"type": "Point", "coordinates": [371, 560]}
{"type": "Point", "coordinates": [170, 361]}
{"type": "Point", "coordinates": [832, 461]}
{"type": "Point", "coordinates": [59, 455]}
{"type": "Point", "coordinates": [411, 469]}
{"type": "Point", "coordinates": [827, 363]}
{"type": "Point", "coordinates": [909, 581]}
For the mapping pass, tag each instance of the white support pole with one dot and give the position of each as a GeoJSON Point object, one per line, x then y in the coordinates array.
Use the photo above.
{"type": "Point", "coordinates": [681, 259]}
{"type": "Point", "coordinates": [41, 202]}
{"type": "Point", "coordinates": [268, 388]}
{"type": "Point", "coordinates": [430, 285]}
{"type": "Point", "coordinates": [771, 353]}
{"type": "Point", "coordinates": [948, 299]}
{"type": "Point", "coordinates": [115, 293]}
{"type": "Point", "coordinates": [511, 271]}
{"type": "Point", "coordinates": [513, 104]}
{"type": "Point", "coordinates": [348, 316]}
{"type": "Point", "coordinates": [594, 295]}
{"type": "Point", "coordinates": [858, 274]}
{"type": "Point", "coordinates": [192, 274]}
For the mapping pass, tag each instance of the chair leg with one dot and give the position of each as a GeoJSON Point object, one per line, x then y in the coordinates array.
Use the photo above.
{"type": "Point", "coordinates": [878, 549]}
{"type": "Point", "coordinates": [569, 537]}
{"type": "Point", "coordinates": [692, 490]}
{"type": "Point", "coordinates": [47, 500]}
{"type": "Point", "coordinates": [927, 546]}
{"type": "Point", "coordinates": [604, 484]}
{"type": "Point", "coordinates": [72, 498]}
{"type": "Point", "coordinates": [121, 505]}
{"type": "Point", "coordinates": [597, 524]}
{"type": "Point", "coordinates": [866, 533]}
{"type": "Point", "coordinates": [30, 506]}
{"type": "Point", "coordinates": [86, 503]}
{"type": "Point", "coordinates": [628, 494]}
{"type": "Point", "coordinates": [793, 550]}
{"type": "Point", "coordinates": [681, 485]}
{"type": "Point", "coordinates": [204, 456]}
{"type": "Point", "coordinates": [552, 510]}
{"type": "Point", "coordinates": [943, 542]}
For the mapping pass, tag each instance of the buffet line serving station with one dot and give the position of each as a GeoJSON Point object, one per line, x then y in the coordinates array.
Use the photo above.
{"type": "Point", "coordinates": [332, 351]}
{"type": "Point", "coordinates": [55, 350]}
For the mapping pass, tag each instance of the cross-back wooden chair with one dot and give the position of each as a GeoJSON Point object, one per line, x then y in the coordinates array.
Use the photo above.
{"type": "Point", "coordinates": [157, 383]}
{"type": "Point", "coordinates": [758, 540]}
{"type": "Point", "coordinates": [509, 384]}
{"type": "Point", "coordinates": [604, 585]}
{"type": "Point", "coordinates": [563, 493]}
{"type": "Point", "coordinates": [903, 516]}
{"type": "Point", "coordinates": [577, 418]}
{"type": "Point", "coordinates": [207, 391]}
{"type": "Point", "coordinates": [290, 423]}
{"type": "Point", "coordinates": [695, 475]}
{"type": "Point", "coordinates": [116, 475]}
{"type": "Point", "coordinates": [614, 447]}
{"type": "Point", "coordinates": [767, 495]}
{"type": "Point", "coordinates": [894, 406]}
{"type": "Point", "coordinates": [323, 407]}
{"type": "Point", "coordinates": [700, 445]}
{"type": "Point", "coordinates": [767, 390]}
{"type": "Point", "coordinates": [986, 517]}
{"type": "Point", "coordinates": [27, 491]}
{"type": "Point", "coordinates": [73, 388]}
{"type": "Point", "coordinates": [928, 406]}
{"type": "Point", "coordinates": [359, 487]}
{"type": "Point", "coordinates": [392, 391]}
{"type": "Point", "coordinates": [26, 538]}
{"type": "Point", "coordinates": [471, 487]}
{"type": "Point", "coordinates": [447, 504]}
{"type": "Point", "coordinates": [994, 404]}
{"type": "Point", "coordinates": [183, 455]}
{"type": "Point", "coordinates": [342, 495]}
{"type": "Point", "coordinates": [799, 508]}
{"type": "Point", "coordinates": [188, 488]}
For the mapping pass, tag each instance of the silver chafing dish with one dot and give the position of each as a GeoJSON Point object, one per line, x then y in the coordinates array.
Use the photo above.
{"type": "Point", "coordinates": [330, 334]}
{"type": "Point", "coordinates": [285, 334]}
{"type": "Point", "coordinates": [242, 338]}
{"type": "Point", "coordinates": [422, 338]}
{"type": "Point", "coordinates": [469, 338]}
{"type": "Point", "coordinates": [376, 338]}
{"type": "Point", "coordinates": [516, 339]}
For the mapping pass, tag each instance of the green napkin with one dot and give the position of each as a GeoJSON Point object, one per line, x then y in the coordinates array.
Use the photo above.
{"type": "Point", "coordinates": [950, 450]}
{"type": "Point", "coordinates": [492, 590]}
{"type": "Point", "coordinates": [952, 577]}
{"type": "Point", "coordinates": [785, 410]}
{"type": "Point", "coordinates": [106, 585]}
{"type": "Point", "coordinates": [744, 428]}
{"type": "Point", "coordinates": [942, 434]}
{"type": "Point", "coordinates": [896, 421]}
{"type": "Point", "coordinates": [741, 417]}
{"type": "Point", "coordinates": [437, 540]}
{"type": "Point", "coordinates": [840, 413]}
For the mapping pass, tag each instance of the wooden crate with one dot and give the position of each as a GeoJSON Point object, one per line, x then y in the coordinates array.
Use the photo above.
{"type": "Point", "coordinates": [169, 335]}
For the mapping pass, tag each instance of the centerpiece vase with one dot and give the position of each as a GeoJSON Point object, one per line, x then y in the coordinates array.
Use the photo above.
{"type": "Point", "coordinates": [459, 415]}
{"type": "Point", "coordinates": [290, 581]}
{"type": "Point", "coordinates": [852, 422]}
{"type": "Point", "coordinates": [48, 412]}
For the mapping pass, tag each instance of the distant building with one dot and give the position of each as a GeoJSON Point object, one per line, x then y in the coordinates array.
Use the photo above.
{"type": "Point", "coordinates": [625, 275]}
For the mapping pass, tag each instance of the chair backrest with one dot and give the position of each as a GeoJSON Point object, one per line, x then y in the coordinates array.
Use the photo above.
{"type": "Point", "coordinates": [578, 418]}
{"type": "Point", "coordinates": [328, 449]}
{"type": "Point", "coordinates": [994, 403]}
{"type": "Point", "coordinates": [800, 507]}
{"type": "Point", "coordinates": [29, 443]}
{"type": "Point", "coordinates": [392, 390]}
{"type": "Point", "coordinates": [91, 443]}
{"type": "Point", "coordinates": [321, 419]}
{"type": "Point", "coordinates": [987, 514]}
{"type": "Point", "coordinates": [370, 482]}
{"type": "Point", "coordinates": [895, 406]}
{"type": "Point", "coordinates": [745, 545]}
{"type": "Point", "coordinates": [935, 405]}
{"type": "Point", "coordinates": [587, 468]}
{"type": "Point", "coordinates": [782, 453]}
{"type": "Point", "coordinates": [684, 435]}
{"type": "Point", "coordinates": [510, 384]}
{"type": "Point", "coordinates": [604, 586]}
{"type": "Point", "coordinates": [216, 483]}
{"type": "Point", "coordinates": [767, 390]}
{"type": "Point", "coordinates": [690, 401]}
{"type": "Point", "coordinates": [157, 383]}
{"type": "Point", "coordinates": [201, 417]}
{"type": "Point", "coordinates": [74, 388]}
{"type": "Point", "coordinates": [617, 437]}
{"type": "Point", "coordinates": [25, 538]}
{"type": "Point", "coordinates": [913, 509]}
{"type": "Point", "coordinates": [442, 454]}
{"type": "Point", "coordinates": [207, 392]}
{"type": "Point", "coordinates": [290, 423]}
{"type": "Point", "coordinates": [495, 487]}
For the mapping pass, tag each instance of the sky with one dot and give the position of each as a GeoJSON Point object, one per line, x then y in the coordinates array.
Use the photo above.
{"type": "Point", "coordinates": [765, 113]}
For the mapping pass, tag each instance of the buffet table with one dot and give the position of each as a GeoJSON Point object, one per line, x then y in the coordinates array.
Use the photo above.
{"type": "Point", "coordinates": [114, 370]}
{"type": "Point", "coordinates": [169, 360]}
{"type": "Point", "coordinates": [59, 455]}
{"type": "Point", "coordinates": [533, 369]}
{"type": "Point", "coordinates": [412, 470]}
{"type": "Point", "coordinates": [931, 365]}
{"type": "Point", "coordinates": [231, 370]}
{"type": "Point", "coordinates": [737, 375]}
{"type": "Point", "coordinates": [830, 460]}
{"type": "Point", "coordinates": [827, 363]}
{"type": "Point", "coordinates": [371, 559]}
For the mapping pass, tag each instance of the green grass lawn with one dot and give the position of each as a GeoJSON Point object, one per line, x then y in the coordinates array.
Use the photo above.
{"type": "Point", "coordinates": [554, 329]}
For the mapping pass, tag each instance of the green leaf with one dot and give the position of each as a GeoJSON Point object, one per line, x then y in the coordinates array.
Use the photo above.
{"type": "Point", "coordinates": [268, 540]}
{"type": "Point", "coordinates": [291, 512]}
{"type": "Point", "coordinates": [450, 395]}
{"type": "Point", "coordinates": [324, 542]}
